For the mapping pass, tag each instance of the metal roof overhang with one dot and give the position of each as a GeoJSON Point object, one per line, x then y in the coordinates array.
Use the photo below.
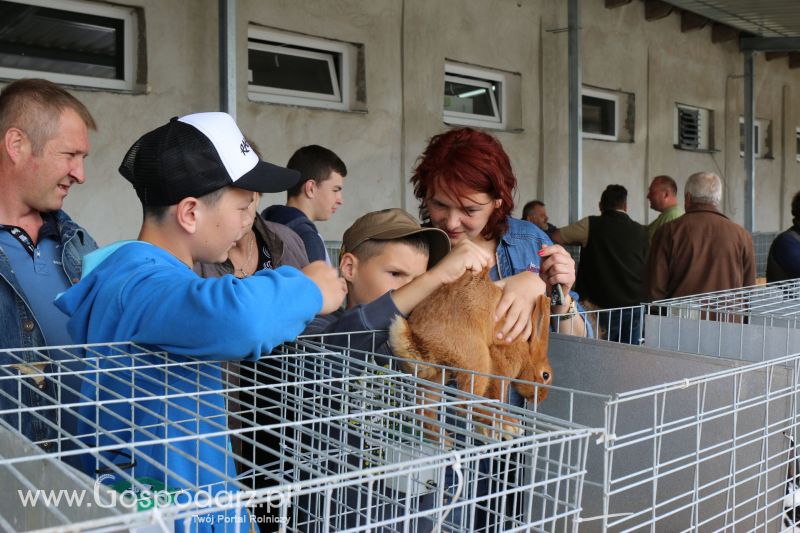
{"type": "Point", "coordinates": [773, 25]}
{"type": "Point", "coordinates": [762, 18]}
{"type": "Point", "coordinates": [769, 26]}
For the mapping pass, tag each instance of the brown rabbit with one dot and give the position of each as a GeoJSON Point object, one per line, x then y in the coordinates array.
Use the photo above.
{"type": "Point", "coordinates": [455, 327]}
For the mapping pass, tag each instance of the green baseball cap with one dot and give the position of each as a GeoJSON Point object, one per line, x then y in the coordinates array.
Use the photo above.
{"type": "Point", "coordinates": [394, 223]}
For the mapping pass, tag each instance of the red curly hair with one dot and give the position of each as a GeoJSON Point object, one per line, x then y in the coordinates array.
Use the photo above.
{"type": "Point", "coordinates": [464, 161]}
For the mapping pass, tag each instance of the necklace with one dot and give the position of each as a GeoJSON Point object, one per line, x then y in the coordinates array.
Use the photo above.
{"type": "Point", "coordinates": [250, 247]}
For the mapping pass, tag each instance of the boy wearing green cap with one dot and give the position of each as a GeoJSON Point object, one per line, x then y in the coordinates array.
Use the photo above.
{"type": "Point", "coordinates": [390, 264]}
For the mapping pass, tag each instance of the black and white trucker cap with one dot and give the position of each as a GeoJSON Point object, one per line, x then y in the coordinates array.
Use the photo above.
{"type": "Point", "coordinates": [195, 155]}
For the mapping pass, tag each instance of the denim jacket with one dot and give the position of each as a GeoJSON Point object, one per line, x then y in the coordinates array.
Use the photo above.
{"type": "Point", "coordinates": [518, 248]}
{"type": "Point", "coordinates": [19, 327]}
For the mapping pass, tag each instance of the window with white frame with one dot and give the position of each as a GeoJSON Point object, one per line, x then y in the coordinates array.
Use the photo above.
{"type": "Point", "coordinates": [693, 128]}
{"type": "Point", "coordinates": [797, 142]}
{"type": "Point", "coordinates": [474, 96]}
{"type": "Point", "coordinates": [762, 138]}
{"type": "Point", "coordinates": [286, 68]}
{"type": "Point", "coordinates": [600, 114]}
{"type": "Point", "coordinates": [86, 44]}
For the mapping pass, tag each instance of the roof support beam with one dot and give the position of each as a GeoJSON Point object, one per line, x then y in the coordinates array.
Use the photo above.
{"type": "Point", "coordinates": [692, 21]}
{"type": "Point", "coordinates": [656, 9]}
{"type": "Point", "coordinates": [575, 110]}
{"type": "Point", "coordinates": [611, 4]}
{"type": "Point", "coordinates": [775, 55]}
{"type": "Point", "coordinates": [227, 56]}
{"type": "Point", "coordinates": [770, 44]}
{"type": "Point", "coordinates": [721, 33]}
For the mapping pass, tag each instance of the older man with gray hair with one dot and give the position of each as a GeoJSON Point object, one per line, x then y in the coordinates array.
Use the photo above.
{"type": "Point", "coordinates": [701, 251]}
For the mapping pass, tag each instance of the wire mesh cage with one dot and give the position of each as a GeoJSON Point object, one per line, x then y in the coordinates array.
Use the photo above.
{"type": "Point", "coordinates": [688, 443]}
{"type": "Point", "coordinates": [109, 437]}
{"type": "Point", "coordinates": [712, 452]}
{"type": "Point", "coordinates": [762, 240]}
{"type": "Point", "coordinates": [333, 249]}
{"type": "Point", "coordinates": [752, 323]}
{"type": "Point", "coordinates": [619, 324]}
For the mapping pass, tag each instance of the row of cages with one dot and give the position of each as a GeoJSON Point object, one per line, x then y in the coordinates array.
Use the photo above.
{"type": "Point", "coordinates": [329, 433]}
{"type": "Point", "coordinates": [751, 323]}
{"type": "Point", "coordinates": [110, 437]}
{"type": "Point", "coordinates": [681, 442]}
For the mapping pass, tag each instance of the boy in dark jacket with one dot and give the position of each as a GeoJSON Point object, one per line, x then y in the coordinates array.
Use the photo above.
{"type": "Point", "coordinates": [313, 199]}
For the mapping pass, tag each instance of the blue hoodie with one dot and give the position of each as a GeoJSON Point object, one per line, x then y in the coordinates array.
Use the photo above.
{"type": "Point", "coordinates": [134, 291]}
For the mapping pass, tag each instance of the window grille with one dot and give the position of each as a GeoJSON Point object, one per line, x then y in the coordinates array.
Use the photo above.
{"type": "Point", "coordinates": [688, 128]}
{"type": "Point", "coordinates": [762, 142]}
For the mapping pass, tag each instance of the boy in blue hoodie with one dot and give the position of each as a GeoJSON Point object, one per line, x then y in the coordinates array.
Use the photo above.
{"type": "Point", "coordinates": [194, 177]}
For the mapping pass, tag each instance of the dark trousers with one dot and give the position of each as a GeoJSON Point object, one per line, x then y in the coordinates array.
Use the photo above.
{"type": "Point", "coordinates": [621, 325]}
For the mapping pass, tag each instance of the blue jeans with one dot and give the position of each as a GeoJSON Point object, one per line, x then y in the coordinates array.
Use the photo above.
{"type": "Point", "coordinates": [622, 325]}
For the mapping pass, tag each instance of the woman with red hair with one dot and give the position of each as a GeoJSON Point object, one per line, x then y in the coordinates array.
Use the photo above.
{"type": "Point", "coordinates": [465, 186]}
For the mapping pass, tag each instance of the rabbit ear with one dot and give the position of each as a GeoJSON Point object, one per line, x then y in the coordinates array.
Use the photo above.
{"type": "Point", "coordinates": [540, 319]}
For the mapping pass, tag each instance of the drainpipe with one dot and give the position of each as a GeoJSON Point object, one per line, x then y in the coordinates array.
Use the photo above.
{"type": "Point", "coordinates": [575, 111]}
{"type": "Point", "coordinates": [749, 156]}
{"type": "Point", "coordinates": [227, 56]}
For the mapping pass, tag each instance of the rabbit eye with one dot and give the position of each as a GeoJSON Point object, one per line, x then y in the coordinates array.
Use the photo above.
{"type": "Point", "coordinates": [545, 375]}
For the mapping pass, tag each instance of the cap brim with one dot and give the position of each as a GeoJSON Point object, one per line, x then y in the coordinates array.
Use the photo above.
{"type": "Point", "coordinates": [266, 177]}
{"type": "Point", "coordinates": [438, 241]}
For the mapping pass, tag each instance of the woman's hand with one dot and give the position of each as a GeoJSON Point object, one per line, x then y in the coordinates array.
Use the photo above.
{"type": "Point", "coordinates": [557, 268]}
{"type": "Point", "coordinates": [516, 305]}
{"type": "Point", "coordinates": [464, 256]}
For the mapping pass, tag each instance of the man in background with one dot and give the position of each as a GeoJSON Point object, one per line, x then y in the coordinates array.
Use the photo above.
{"type": "Point", "coordinates": [663, 196]}
{"type": "Point", "coordinates": [783, 261]}
{"type": "Point", "coordinates": [314, 199]}
{"type": "Point", "coordinates": [536, 212]}
{"type": "Point", "coordinates": [703, 250]}
{"type": "Point", "coordinates": [611, 268]}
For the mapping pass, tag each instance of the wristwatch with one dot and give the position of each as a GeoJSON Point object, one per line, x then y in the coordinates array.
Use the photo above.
{"type": "Point", "coordinates": [571, 311]}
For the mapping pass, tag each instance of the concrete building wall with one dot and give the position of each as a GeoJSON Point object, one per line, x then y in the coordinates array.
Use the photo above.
{"type": "Point", "coordinates": [368, 142]}
{"type": "Point", "coordinates": [502, 35]}
{"type": "Point", "coordinates": [662, 66]}
{"type": "Point", "coordinates": [405, 45]}
{"type": "Point", "coordinates": [181, 78]}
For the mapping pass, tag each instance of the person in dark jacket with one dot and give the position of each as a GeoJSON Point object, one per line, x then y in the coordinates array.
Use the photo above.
{"type": "Point", "coordinates": [314, 199]}
{"type": "Point", "coordinates": [391, 264]}
{"type": "Point", "coordinates": [783, 261]}
{"type": "Point", "coordinates": [611, 269]}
